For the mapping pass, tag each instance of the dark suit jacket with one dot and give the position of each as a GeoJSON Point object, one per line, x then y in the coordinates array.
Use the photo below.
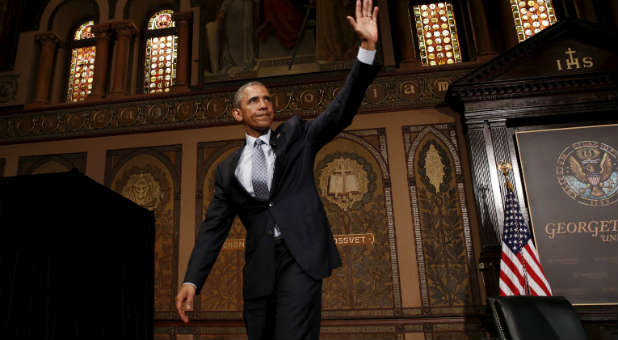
{"type": "Point", "coordinates": [294, 204]}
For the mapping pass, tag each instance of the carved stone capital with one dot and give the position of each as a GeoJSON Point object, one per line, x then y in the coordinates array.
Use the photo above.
{"type": "Point", "coordinates": [184, 16]}
{"type": "Point", "coordinates": [47, 39]}
{"type": "Point", "coordinates": [101, 31]}
{"type": "Point", "coordinates": [124, 28]}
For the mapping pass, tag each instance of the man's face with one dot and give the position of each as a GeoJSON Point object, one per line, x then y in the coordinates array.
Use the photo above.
{"type": "Point", "coordinates": [256, 110]}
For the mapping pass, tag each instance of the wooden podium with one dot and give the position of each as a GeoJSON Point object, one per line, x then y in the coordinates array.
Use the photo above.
{"type": "Point", "coordinates": [76, 260]}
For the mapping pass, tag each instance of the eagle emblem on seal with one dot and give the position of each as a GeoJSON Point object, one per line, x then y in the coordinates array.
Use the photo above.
{"type": "Point", "coordinates": [587, 171]}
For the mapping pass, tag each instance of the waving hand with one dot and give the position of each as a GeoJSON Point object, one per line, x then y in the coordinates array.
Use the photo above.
{"type": "Point", "coordinates": [366, 23]}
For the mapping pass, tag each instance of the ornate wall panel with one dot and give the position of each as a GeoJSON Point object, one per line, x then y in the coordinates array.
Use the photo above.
{"type": "Point", "coordinates": [352, 175]}
{"type": "Point", "coordinates": [29, 165]}
{"type": "Point", "coordinates": [150, 177]}
{"type": "Point", "coordinates": [353, 181]}
{"type": "Point", "coordinates": [221, 296]}
{"type": "Point", "coordinates": [441, 226]}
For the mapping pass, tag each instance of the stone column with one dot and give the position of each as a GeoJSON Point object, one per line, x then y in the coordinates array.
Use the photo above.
{"type": "Point", "coordinates": [509, 33]}
{"type": "Point", "coordinates": [585, 9]}
{"type": "Point", "coordinates": [613, 12]}
{"type": "Point", "coordinates": [403, 23]}
{"type": "Point", "coordinates": [102, 37]}
{"type": "Point", "coordinates": [183, 24]}
{"type": "Point", "coordinates": [484, 43]}
{"type": "Point", "coordinates": [48, 42]}
{"type": "Point", "coordinates": [124, 34]}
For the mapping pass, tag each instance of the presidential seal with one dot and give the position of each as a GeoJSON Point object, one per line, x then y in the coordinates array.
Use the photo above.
{"type": "Point", "coordinates": [587, 172]}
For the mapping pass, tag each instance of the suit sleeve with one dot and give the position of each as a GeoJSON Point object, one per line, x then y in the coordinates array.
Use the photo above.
{"type": "Point", "coordinates": [212, 235]}
{"type": "Point", "coordinates": [341, 111]}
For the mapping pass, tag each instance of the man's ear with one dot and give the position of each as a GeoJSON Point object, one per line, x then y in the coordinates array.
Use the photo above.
{"type": "Point", "coordinates": [237, 114]}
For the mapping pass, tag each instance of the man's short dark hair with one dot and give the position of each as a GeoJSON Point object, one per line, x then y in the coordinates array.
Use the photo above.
{"type": "Point", "coordinates": [238, 94]}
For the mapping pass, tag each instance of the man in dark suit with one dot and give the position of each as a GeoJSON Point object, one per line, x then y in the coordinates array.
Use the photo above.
{"type": "Point", "coordinates": [269, 184]}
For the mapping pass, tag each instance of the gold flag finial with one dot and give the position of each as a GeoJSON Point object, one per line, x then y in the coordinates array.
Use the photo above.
{"type": "Point", "coordinates": [506, 167]}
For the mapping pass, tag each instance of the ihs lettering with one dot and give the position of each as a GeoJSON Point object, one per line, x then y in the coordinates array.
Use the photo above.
{"type": "Point", "coordinates": [573, 62]}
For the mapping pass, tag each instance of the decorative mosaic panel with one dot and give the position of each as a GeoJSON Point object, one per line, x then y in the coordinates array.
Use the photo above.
{"type": "Point", "coordinates": [150, 177]}
{"type": "Point", "coordinates": [392, 93]}
{"type": "Point", "coordinates": [532, 16]}
{"type": "Point", "coordinates": [442, 233]}
{"type": "Point", "coordinates": [353, 181]}
{"type": "Point", "coordinates": [81, 71]}
{"type": "Point", "coordinates": [436, 31]}
{"type": "Point", "coordinates": [221, 296]}
{"type": "Point", "coordinates": [352, 177]}
{"type": "Point", "coordinates": [161, 54]}
{"type": "Point", "coordinates": [41, 164]}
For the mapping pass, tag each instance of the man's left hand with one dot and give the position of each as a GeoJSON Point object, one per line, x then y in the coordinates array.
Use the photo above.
{"type": "Point", "coordinates": [366, 23]}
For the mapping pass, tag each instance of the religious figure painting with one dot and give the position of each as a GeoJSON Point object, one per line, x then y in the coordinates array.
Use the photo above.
{"type": "Point", "coordinates": [259, 38]}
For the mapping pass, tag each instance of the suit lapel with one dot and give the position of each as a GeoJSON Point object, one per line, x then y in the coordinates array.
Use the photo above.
{"type": "Point", "coordinates": [278, 141]}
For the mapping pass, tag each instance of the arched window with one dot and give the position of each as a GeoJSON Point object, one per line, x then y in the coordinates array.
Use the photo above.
{"type": "Point", "coordinates": [532, 16]}
{"type": "Point", "coordinates": [81, 71]}
{"type": "Point", "coordinates": [161, 52]}
{"type": "Point", "coordinates": [436, 31]}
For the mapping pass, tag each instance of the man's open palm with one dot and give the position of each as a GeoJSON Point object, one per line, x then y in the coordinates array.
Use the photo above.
{"type": "Point", "coordinates": [366, 23]}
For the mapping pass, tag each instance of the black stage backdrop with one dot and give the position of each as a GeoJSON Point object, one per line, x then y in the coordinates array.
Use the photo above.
{"type": "Point", "coordinates": [76, 260]}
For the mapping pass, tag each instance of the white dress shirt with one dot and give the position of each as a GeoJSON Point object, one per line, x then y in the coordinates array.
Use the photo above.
{"type": "Point", "coordinates": [366, 56]}
{"type": "Point", "coordinates": [245, 162]}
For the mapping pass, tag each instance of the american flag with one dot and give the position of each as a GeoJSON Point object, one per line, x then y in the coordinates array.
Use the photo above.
{"type": "Point", "coordinates": [520, 270]}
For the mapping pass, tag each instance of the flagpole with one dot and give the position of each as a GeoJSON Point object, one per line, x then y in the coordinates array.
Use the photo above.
{"type": "Point", "coordinates": [506, 167]}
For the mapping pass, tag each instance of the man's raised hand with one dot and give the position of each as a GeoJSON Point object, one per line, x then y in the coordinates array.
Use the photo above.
{"type": "Point", "coordinates": [366, 23]}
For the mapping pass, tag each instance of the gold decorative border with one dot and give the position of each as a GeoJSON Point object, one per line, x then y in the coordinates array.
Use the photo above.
{"type": "Point", "coordinates": [156, 113]}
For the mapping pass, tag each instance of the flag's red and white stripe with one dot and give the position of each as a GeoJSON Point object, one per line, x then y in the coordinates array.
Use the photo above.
{"type": "Point", "coordinates": [520, 270]}
{"type": "Point", "coordinates": [522, 274]}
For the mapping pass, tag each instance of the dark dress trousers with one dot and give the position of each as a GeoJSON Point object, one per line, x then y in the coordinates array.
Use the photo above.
{"type": "Point", "coordinates": [294, 204]}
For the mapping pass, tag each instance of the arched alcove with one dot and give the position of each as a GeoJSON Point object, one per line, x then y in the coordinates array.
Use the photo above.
{"type": "Point", "coordinates": [70, 13]}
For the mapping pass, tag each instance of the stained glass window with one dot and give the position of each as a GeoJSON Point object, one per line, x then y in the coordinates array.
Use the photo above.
{"type": "Point", "coordinates": [81, 71]}
{"type": "Point", "coordinates": [436, 30]}
{"type": "Point", "coordinates": [532, 16]}
{"type": "Point", "coordinates": [161, 19]}
{"type": "Point", "coordinates": [84, 31]}
{"type": "Point", "coordinates": [161, 53]}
